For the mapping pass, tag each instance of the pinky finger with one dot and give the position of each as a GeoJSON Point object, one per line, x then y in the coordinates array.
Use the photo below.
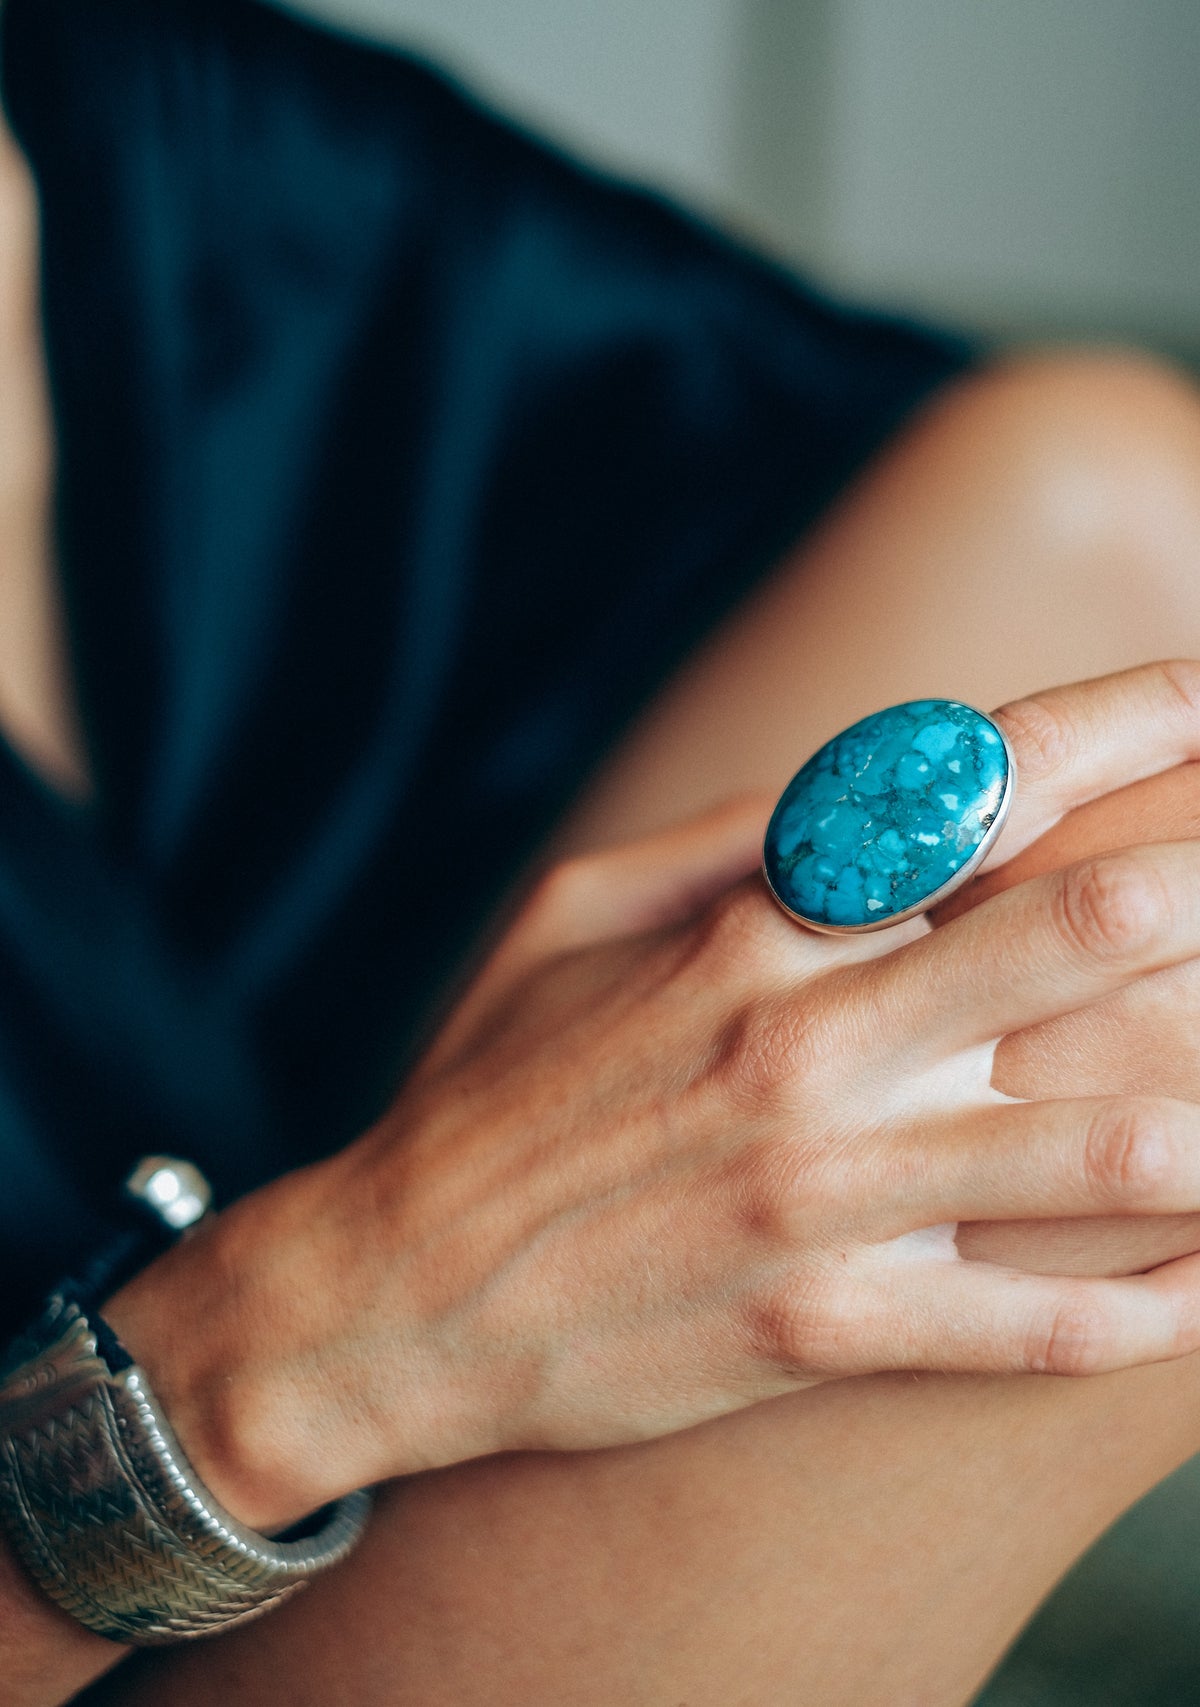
{"type": "Point", "coordinates": [973, 1318]}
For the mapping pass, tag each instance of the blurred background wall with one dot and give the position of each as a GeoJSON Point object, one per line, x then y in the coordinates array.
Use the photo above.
{"type": "Point", "coordinates": [1020, 167]}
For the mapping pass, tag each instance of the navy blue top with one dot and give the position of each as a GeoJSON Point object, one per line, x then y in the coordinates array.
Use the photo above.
{"type": "Point", "coordinates": [399, 457]}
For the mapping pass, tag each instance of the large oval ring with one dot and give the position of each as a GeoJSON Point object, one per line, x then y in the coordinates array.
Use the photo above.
{"type": "Point", "coordinates": [889, 817]}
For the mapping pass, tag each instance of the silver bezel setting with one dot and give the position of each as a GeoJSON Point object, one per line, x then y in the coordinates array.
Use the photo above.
{"type": "Point", "coordinates": [935, 896]}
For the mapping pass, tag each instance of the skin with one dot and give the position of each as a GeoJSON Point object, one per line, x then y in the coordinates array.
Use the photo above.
{"type": "Point", "coordinates": [801, 1518]}
{"type": "Point", "coordinates": [781, 1117]}
{"type": "Point", "coordinates": [645, 1537]}
{"type": "Point", "coordinates": [714, 1053]}
{"type": "Point", "coordinates": [1140, 1041]}
{"type": "Point", "coordinates": [36, 709]}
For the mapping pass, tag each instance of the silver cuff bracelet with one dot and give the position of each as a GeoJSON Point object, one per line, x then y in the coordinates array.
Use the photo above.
{"type": "Point", "coordinates": [106, 1512]}
{"type": "Point", "coordinates": [96, 1495]}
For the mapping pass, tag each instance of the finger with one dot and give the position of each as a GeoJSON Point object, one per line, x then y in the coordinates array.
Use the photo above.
{"type": "Point", "coordinates": [626, 890]}
{"type": "Point", "coordinates": [1073, 744]}
{"type": "Point", "coordinates": [657, 881]}
{"type": "Point", "coordinates": [1163, 808]}
{"type": "Point", "coordinates": [1073, 1156]}
{"type": "Point", "coordinates": [968, 1317]}
{"type": "Point", "coordinates": [1041, 949]}
{"type": "Point", "coordinates": [1082, 1244]}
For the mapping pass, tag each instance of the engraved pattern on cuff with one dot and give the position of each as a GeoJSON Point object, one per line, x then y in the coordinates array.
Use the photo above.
{"type": "Point", "coordinates": [109, 1517]}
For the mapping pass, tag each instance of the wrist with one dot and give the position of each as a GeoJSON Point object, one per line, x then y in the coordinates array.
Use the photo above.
{"type": "Point", "coordinates": [262, 1337]}
{"type": "Point", "coordinates": [204, 1320]}
{"type": "Point", "coordinates": [105, 1510]}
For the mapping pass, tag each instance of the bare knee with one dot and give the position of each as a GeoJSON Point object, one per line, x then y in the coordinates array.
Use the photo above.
{"type": "Point", "coordinates": [1098, 450]}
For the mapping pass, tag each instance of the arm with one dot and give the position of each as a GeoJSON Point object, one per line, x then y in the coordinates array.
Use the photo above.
{"type": "Point", "coordinates": [642, 1068]}
{"type": "Point", "coordinates": [45, 1656]}
{"type": "Point", "coordinates": [860, 1543]}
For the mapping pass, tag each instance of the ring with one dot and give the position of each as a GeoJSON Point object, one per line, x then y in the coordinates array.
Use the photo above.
{"type": "Point", "coordinates": [889, 817]}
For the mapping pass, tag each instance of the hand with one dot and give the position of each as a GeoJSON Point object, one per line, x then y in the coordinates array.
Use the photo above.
{"type": "Point", "coordinates": [674, 1154]}
{"type": "Point", "coordinates": [1143, 1040]}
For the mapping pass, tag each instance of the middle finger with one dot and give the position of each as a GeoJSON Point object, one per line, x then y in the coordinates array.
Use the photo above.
{"type": "Point", "coordinates": [1041, 949]}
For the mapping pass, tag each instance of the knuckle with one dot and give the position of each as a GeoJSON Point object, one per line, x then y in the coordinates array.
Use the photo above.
{"type": "Point", "coordinates": [739, 931]}
{"type": "Point", "coordinates": [1041, 734]}
{"type": "Point", "coordinates": [561, 891]}
{"type": "Point", "coordinates": [776, 1184]}
{"type": "Point", "coordinates": [1074, 1339]}
{"type": "Point", "coordinates": [1182, 1336]}
{"type": "Point", "coordinates": [799, 1327]}
{"type": "Point", "coordinates": [1111, 907]}
{"type": "Point", "coordinates": [1180, 679]}
{"type": "Point", "coordinates": [1130, 1152]}
{"type": "Point", "coordinates": [767, 1045]}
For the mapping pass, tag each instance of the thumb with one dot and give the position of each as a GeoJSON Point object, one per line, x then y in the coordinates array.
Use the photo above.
{"type": "Point", "coordinates": [659, 880]}
{"type": "Point", "coordinates": [628, 890]}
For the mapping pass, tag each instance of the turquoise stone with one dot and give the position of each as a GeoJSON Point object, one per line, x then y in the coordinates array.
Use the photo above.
{"type": "Point", "coordinates": [887, 813]}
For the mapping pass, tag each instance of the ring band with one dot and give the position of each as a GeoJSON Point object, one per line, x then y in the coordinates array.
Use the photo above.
{"type": "Point", "coordinates": [889, 817]}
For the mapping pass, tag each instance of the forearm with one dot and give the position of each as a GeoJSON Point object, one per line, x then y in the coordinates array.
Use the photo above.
{"type": "Point", "coordinates": [45, 1656]}
{"type": "Point", "coordinates": [190, 1328]}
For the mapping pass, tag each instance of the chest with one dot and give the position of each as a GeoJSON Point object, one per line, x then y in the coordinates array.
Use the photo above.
{"type": "Point", "coordinates": [36, 711]}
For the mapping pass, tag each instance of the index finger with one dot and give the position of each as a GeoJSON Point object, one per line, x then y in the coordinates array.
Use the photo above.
{"type": "Point", "coordinates": [1074, 744]}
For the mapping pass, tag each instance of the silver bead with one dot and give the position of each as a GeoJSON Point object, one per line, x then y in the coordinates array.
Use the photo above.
{"type": "Point", "coordinates": [174, 1190]}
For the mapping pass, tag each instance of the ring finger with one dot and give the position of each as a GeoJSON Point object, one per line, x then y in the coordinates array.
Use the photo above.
{"type": "Point", "coordinates": [1072, 1156]}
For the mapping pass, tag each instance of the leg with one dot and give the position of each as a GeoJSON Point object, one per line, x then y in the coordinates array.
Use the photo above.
{"type": "Point", "coordinates": [871, 1542]}
{"type": "Point", "coordinates": [1037, 525]}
